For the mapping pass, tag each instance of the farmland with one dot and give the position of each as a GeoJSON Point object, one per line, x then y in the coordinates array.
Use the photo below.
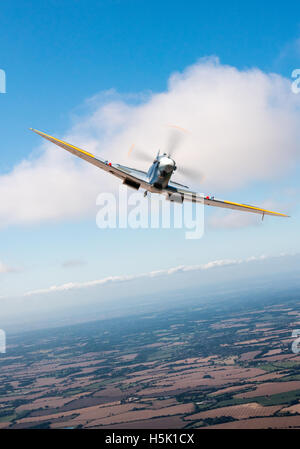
{"type": "Point", "coordinates": [221, 364]}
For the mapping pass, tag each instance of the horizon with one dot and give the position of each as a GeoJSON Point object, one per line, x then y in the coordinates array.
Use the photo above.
{"type": "Point", "coordinates": [104, 89]}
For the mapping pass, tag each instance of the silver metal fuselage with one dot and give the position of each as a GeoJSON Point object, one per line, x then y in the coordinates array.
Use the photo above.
{"type": "Point", "coordinates": [160, 172]}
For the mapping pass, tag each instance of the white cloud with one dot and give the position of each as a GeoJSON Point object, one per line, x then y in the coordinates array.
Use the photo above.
{"type": "Point", "coordinates": [6, 269]}
{"type": "Point", "coordinates": [244, 127]}
{"type": "Point", "coordinates": [151, 274]}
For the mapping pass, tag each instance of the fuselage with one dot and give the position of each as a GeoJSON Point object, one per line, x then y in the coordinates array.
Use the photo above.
{"type": "Point", "coordinates": [160, 172]}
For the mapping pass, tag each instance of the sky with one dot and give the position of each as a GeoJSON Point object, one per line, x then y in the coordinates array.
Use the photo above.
{"type": "Point", "coordinates": [105, 74]}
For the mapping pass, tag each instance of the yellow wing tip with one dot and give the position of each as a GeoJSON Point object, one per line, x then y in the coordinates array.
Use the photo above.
{"type": "Point", "coordinates": [278, 214]}
{"type": "Point", "coordinates": [59, 142]}
{"type": "Point", "coordinates": [258, 209]}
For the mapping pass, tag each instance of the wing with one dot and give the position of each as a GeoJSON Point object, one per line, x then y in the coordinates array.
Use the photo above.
{"type": "Point", "coordinates": [188, 195]}
{"type": "Point", "coordinates": [130, 176]}
{"type": "Point", "coordinates": [176, 184]}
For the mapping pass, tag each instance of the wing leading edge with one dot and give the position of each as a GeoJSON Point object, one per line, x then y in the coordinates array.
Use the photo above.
{"type": "Point", "coordinates": [125, 173]}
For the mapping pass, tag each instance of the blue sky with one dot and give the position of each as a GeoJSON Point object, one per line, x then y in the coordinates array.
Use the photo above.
{"type": "Point", "coordinates": [58, 54]}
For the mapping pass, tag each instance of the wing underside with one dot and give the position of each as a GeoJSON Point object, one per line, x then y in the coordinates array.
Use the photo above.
{"type": "Point", "coordinates": [188, 195]}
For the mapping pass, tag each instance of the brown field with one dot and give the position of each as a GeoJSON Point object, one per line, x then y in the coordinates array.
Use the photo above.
{"type": "Point", "coordinates": [292, 409]}
{"type": "Point", "coordinates": [52, 402]}
{"type": "Point", "coordinates": [284, 422]}
{"type": "Point", "coordinates": [46, 381]}
{"type": "Point", "coordinates": [230, 389]}
{"type": "Point", "coordinates": [255, 341]}
{"type": "Point", "coordinates": [272, 352]}
{"type": "Point", "coordinates": [169, 422]}
{"type": "Point", "coordinates": [271, 388]}
{"type": "Point", "coordinates": [242, 411]}
{"type": "Point", "coordinates": [249, 355]}
{"type": "Point", "coordinates": [128, 357]}
{"type": "Point", "coordinates": [145, 414]}
{"type": "Point", "coordinates": [220, 377]}
{"type": "Point", "coordinates": [86, 414]}
{"type": "Point", "coordinates": [264, 377]}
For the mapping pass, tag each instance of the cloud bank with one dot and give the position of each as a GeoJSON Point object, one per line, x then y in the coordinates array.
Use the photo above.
{"type": "Point", "coordinates": [151, 274]}
{"type": "Point", "coordinates": [243, 127]}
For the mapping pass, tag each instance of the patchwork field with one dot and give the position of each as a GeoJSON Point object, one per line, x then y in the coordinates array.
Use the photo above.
{"type": "Point", "coordinates": [224, 365]}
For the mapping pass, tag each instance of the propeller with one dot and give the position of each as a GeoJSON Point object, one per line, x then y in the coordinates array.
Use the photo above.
{"type": "Point", "coordinates": [190, 173]}
{"type": "Point", "coordinates": [175, 138]}
{"type": "Point", "coordinates": [140, 154]}
{"type": "Point", "coordinates": [174, 141]}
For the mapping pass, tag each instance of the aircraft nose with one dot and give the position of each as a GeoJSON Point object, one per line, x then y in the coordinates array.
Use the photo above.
{"type": "Point", "coordinates": [166, 165]}
{"type": "Point", "coordinates": [168, 168]}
